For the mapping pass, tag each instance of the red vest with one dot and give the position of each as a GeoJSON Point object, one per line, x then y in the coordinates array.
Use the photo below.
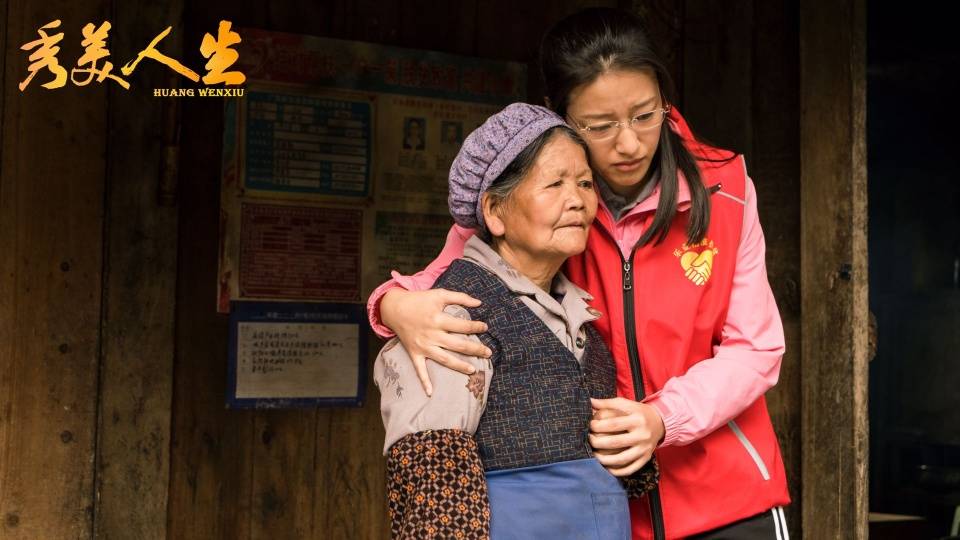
{"type": "Point", "coordinates": [713, 481]}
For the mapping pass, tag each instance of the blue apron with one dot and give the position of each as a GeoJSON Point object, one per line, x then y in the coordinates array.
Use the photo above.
{"type": "Point", "coordinates": [575, 499]}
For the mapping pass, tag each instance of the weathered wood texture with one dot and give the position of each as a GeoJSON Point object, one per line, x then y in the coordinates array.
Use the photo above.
{"type": "Point", "coordinates": [211, 458]}
{"type": "Point", "coordinates": [834, 268]}
{"type": "Point", "coordinates": [212, 468]}
{"type": "Point", "coordinates": [718, 71]}
{"type": "Point", "coordinates": [665, 22]}
{"type": "Point", "coordinates": [133, 461]}
{"type": "Point", "coordinates": [50, 275]}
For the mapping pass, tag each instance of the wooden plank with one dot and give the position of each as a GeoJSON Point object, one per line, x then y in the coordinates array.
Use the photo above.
{"type": "Point", "coordinates": [4, 38]}
{"type": "Point", "coordinates": [323, 490]}
{"type": "Point", "coordinates": [718, 72]}
{"type": "Point", "coordinates": [509, 38]}
{"type": "Point", "coordinates": [775, 169]}
{"type": "Point", "coordinates": [51, 206]}
{"type": "Point", "coordinates": [140, 289]}
{"type": "Point", "coordinates": [355, 475]}
{"type": "Point", "coordinates": [284, 486]}
{"type": "Point", "coordinates": [834, 268]}
{"type": "Point", "coordinates": [665, 22]}
{"type": "Point", "coordinates": [311, 18]}
{"type": "Point", "coordinates": [439, 26]}
{"type": "Point", "coordinates": [517, 37]}
{"type": "Point", "coordinates": [211, 460]}
{"type": "Point", "coordinates": [211, 457]}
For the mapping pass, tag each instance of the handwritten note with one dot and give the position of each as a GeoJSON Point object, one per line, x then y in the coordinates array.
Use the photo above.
{"type": "Point", "coordinates": [297, 360]}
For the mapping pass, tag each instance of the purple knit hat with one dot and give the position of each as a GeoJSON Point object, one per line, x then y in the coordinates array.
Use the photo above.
{"type": "Point", "coordinates": [486, 153]}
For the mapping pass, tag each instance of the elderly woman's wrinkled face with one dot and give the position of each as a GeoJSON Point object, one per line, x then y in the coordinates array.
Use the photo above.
{"type": "Point", "coordinates": [549, 213]}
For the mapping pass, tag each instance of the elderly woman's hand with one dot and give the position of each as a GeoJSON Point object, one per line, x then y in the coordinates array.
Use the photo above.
{"type": "Point", "coordinates": [426, 331]}
{"type": "Point", "coordinates": [624, 434]}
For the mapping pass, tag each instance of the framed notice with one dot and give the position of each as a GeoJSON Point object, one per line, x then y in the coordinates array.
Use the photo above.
{"type": "Point", "coordinates": [285, 355]}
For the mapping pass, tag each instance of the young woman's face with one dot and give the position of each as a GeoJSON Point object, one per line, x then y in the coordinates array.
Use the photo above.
{"type": "Point", "coordinates": [624, 157]}
{"type": "Point", "coordinates": [548, 215]}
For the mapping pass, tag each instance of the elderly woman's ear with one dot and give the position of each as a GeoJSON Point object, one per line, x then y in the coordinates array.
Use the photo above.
{"type": "Point", "coordinates": [492, 207]}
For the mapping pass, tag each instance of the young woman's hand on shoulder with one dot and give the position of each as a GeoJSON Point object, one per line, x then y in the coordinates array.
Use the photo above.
{"type": "Point", "coordinates": [427, 332]}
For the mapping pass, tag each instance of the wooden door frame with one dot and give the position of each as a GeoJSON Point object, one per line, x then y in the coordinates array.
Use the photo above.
{"type": "Point", "coordinates": [834, 300]}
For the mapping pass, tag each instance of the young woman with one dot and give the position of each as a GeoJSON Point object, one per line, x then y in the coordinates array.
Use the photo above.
{"type": "Point", "coordinates": [675, 262]}
{"type": "Point", "coordinates": [503, 453]}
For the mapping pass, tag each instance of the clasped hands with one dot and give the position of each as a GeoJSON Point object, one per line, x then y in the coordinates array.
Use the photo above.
{"type": "Point", "coordinates": [624, 433]}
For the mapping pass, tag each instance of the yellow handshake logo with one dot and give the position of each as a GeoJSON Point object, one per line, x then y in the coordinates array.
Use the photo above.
{"type": "Point", "coordinates": [697, 260]}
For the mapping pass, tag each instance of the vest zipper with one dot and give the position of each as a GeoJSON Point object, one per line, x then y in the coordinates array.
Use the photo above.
{"type": "Point", "coordinates": [630, 326]}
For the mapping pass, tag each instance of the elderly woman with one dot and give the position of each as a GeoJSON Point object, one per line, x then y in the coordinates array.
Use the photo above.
{"type": "Point", "coordinates": [503, 452]}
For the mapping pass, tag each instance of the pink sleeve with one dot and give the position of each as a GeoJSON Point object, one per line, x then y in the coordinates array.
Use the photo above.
{"type": "Point", "coordinates": [420, 281]}
{"type": "Point", "coordinates": [746, 363]}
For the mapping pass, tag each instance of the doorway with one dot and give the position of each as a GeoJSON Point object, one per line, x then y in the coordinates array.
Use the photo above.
{"type": "Point", "coordinates": [913, 78]}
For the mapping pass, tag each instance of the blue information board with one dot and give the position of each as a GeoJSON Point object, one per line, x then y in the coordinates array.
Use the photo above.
{"type": "Point", "coordinates": [304, 144]}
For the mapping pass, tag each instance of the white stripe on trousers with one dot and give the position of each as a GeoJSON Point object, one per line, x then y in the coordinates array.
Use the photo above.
{"type": "Point", "coordinates": [780, 523]}
{"type": "Point", "coordinates": [783, 523]}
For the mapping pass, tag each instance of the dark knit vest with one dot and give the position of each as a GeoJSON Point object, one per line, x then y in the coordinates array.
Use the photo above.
{"type": "Point", "coordinates": [538, 408]}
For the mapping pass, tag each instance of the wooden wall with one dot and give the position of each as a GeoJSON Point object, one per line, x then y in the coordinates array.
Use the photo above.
{"type": "Point", "coordinates": [112, 418]}
{"type": "Point", "coordinates": [834, 426]}
{"type": "Point", "coordinates": [51, 241]}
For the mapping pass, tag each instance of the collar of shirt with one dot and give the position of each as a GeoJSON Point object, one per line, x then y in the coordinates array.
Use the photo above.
{"type": "Point", "coordinates": [645, 201]}
{"type": "Point", "coordinates": [618, 204]}
{"type": "Point", "coordinates": [572, 308]}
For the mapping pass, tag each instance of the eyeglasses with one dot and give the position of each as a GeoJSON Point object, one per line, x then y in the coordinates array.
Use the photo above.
{"type": "Point", "coordinates": [645, 121]}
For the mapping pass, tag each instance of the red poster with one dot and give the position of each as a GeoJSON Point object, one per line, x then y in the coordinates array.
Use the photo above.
{"type": "Point", "coordinates": [299, 252]}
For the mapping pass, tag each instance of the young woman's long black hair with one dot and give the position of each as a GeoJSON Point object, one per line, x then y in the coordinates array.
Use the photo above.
{"type": "Point", "coordinates": [587, 44]}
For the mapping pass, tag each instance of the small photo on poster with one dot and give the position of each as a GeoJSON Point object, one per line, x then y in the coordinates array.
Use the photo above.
{"type": "Point", "coordinates": [414, 130]}
{"type": "Point", "coordinates": [451, 134]}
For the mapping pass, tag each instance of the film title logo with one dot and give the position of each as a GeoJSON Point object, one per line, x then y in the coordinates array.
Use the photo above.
{"type": "Point", "coordinates": [94, 66]}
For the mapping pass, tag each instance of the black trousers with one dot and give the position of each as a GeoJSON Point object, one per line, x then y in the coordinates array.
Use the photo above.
{"type": "Point", "coordinates": [768, 525]}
